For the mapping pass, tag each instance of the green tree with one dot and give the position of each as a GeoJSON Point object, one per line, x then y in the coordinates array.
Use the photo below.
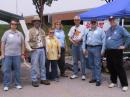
{"type": "Point", "coordinates": [39, 5]}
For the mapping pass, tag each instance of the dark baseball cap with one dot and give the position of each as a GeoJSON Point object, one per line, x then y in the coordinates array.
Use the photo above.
{"type": "Point", "coordinates": [111, 18]}
{"type": "Point", "coordinates": [93, 21]}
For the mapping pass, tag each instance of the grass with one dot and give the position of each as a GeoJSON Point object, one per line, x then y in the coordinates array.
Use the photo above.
{"type": "Point", "coordinates": [66, 29]}
{"type": "Point", "coordinates": [5, 27]}
{"type": "Point", "coordinates": [128, 29]}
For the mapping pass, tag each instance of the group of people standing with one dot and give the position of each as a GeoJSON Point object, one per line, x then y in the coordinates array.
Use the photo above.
{"type": "Point", "coordinates": [48, 52]}
{"type": "Point", "coordinates": [44, 50]}
{"type": "Point", "coordinates": [95, 43]}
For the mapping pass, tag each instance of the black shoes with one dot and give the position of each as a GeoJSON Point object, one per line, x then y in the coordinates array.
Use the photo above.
{"type": "Point", "coordinates": [92, 81]}
{"type": "Point", "coordinates": [98, 83]}
{"type": "Point", "coordinates": [35, 84]}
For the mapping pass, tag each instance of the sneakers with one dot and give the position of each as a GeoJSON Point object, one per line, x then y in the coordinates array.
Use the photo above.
{"type": "Point", "coordinates": [19, 87]}
{"type": "Point", "coordinates": [45, 82]}
{"type": "Point", "coordinates": [125, 88]}
{"type": "Point", "coordinates": [6, 88]}
{"type": "Point", "coordinates": [73, 77]}
{"type": "Point", "coordinates": [83, 77]}
{"type": "Point", "coordinates": [112, 85]}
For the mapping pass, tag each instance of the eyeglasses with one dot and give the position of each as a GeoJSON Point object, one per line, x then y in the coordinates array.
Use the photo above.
{"type": "Point", "coordinates": [13, 23]}
{"type": "Point", "coordinates": [76, 19]}
{"type": "Point", "coordinates": [111, 19]}
{"type": "Point", "coordinates": [58, 24]}
{"type": "Point", "coordinates": [51, 32]}
{"type": "Point", "coordinates": [93, 23]}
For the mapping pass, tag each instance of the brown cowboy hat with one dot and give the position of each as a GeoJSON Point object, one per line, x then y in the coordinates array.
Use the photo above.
{"type": "Point", "coordinates": [36, 18]}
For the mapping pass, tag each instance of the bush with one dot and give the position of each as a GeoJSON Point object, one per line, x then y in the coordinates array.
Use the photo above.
{"type": "Point", "coordinates": [3, 28]}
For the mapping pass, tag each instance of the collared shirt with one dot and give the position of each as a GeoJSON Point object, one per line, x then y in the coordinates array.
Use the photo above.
{"type": "Point", "coordinates": [60, 36]}
{"type": "Point", "coordinates": [117, 37]}
{"type": "Point", "coordinates": [85, 39]}
{"type": "Point", "coordinates": [96, 37]}
{"type": "Point", "coordinates": [76, 33]}
{"type": "Point", "coordinates": [13, 42]}
{"type": "Point", "coordinates": [52, 48]}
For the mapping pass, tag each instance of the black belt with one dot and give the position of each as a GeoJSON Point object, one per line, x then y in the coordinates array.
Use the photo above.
{"type": "Point", "coordinates": [93, 45]}
{"type": "Point", "coordinates": [38, 48]}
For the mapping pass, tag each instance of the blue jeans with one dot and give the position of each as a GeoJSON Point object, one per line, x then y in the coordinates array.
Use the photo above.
{"type": "Point", "coordinates": [10, 62]}
{"type": "Point", "coordinates": [38, 70]}
{"type": "Point", "coordinates": [77, 55]}
{"type": "Point", "coordinates": [86, 63]}
{"type": "Point", "coordinates": [94, 59]}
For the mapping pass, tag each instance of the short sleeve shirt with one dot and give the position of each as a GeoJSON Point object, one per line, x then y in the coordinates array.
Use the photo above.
{"type": "Point", "coordinates": [76, 33]}
{"type": "Point", "coordinates": [60, 36]}
{"type": "Point", "coordinates": [13, 43]}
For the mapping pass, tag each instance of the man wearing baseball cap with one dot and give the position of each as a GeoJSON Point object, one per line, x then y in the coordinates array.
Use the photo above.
{"type": "Point", "coordinates": [117, 39]}
{"type": "Point", "coordinates": [95, 41]}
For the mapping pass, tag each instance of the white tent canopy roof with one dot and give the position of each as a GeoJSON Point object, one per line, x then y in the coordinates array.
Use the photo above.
{"type": "Point", "coordinates": [60, 6]}
{"type": "Point", "coordinates": [63, 6]}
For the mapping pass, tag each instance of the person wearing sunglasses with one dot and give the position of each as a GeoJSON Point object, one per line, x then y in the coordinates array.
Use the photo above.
{"type": "Point", "coordinates": [12, 49]}
{"type": "Point", "coordinates": [53, 52]}
{"type": "Point", "coordinates": [95, 41]}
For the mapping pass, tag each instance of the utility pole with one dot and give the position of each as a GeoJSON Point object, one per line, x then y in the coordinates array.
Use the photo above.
{"type": "Point", "coordinates": [16, 6]}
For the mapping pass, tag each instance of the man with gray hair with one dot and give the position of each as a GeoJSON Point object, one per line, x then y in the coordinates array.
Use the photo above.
{"type": "Point", "coordinates": [117, 39]}
{"type": "Point", "coordinates": [75, 36]}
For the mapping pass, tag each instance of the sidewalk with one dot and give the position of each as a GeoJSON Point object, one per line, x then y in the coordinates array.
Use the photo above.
{"type": "Point", "coordinates": [65, 88]}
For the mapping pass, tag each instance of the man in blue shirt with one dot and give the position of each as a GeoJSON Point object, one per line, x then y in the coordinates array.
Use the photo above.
{"type": "Point", "coordinates": [117, 39]}
{"type": "Point", "coordinates": [95, 41]}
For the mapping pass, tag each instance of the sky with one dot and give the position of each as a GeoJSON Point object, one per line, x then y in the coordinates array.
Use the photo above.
{"type": "Point", "coordinates": [24, 7]}
{"type": "Point", "coordinates": [27, 8]}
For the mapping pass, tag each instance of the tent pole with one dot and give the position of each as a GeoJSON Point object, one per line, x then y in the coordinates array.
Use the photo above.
{"type": "Point", "coordinates": [123, 20]}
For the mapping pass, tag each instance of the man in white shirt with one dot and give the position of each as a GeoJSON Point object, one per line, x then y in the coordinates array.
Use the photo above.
{"type": "Point", "coordinates": [75, 36]}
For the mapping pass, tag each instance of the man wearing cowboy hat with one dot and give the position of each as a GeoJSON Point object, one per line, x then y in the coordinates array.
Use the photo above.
{"type": "Point", "coordinates": [36, 41]}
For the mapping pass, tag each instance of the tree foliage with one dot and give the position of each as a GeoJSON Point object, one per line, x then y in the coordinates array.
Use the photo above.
{"type": "Point", "coordinates": [39, 5]}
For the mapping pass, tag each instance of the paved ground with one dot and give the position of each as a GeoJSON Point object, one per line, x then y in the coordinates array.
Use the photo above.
{"type": "Point", "coordinates": [65, 88]}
